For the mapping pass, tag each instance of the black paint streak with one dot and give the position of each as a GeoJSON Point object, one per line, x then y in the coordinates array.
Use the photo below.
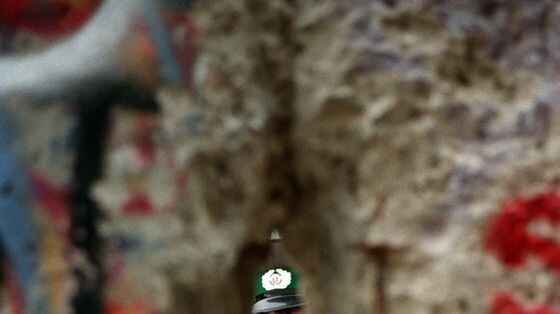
{"type": "Point", "coordinates": [91, 133]}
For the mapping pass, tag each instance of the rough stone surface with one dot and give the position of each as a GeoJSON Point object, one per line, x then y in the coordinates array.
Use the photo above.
{"type": "Point", "coordinates": [409, 123]}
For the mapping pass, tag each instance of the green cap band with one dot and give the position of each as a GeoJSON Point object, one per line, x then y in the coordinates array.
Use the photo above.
{"type": "Point", "coordinates": [276, 280]}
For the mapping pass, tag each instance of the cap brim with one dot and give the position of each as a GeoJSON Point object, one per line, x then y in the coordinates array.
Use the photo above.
{"type": "Point", "coordinates": [280, 302]}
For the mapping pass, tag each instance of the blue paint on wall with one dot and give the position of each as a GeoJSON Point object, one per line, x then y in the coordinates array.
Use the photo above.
{"type": "Point", "coordinates": [17, 230]}
{"type": "Point", "coordinates": [169, 65]}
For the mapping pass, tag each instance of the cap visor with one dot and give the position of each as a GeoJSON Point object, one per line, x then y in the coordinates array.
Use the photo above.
{"type": "Point", "coordinates": [277, 303]}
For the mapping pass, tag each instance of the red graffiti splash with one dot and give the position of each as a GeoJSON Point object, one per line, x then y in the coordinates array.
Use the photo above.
{"type": "Point", "coordinates": [509, 239]}
{"type": "Point", "coordinates": [53, 200]}
{"type": "Point", "coordinates": [52, 18]}
{"type": "Point", "coordinates": [504, 303]}
{"type": "Point", "coordinates": [140, 204]}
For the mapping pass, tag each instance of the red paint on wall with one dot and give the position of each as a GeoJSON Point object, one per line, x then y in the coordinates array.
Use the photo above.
{"type": "Point", "coordinates": [53, 200]}
{"type": "Point", "coordinates": [510, 241]}
{"type": "Point", "coordinates": [46, 18]}
{"type": "Point", "coordinates": [140, 204]}
{"type": "Point", "coordinates": [503, 303]}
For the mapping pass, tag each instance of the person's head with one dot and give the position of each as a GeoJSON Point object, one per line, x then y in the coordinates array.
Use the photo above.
{"type": "Point", "coordinates": [276, 292]}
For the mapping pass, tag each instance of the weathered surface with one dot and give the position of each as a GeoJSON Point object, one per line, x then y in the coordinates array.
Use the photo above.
{"type": "Point", "coordinates": [395, 129]}
{"type": "Point", "coordinates": [239, 154]}
{"type": "Point", "coordinates": [378, 136]}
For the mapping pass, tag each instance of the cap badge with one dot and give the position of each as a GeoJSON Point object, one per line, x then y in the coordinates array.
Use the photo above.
{"type": "Point", "coordinates": [276, 279]}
